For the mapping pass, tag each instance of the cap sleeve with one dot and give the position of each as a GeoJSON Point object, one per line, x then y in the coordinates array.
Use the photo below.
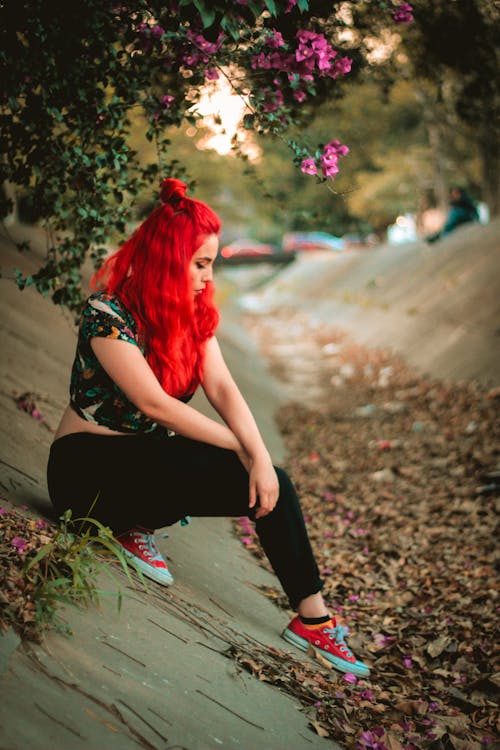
{"type": "Point", "coordinates": [105, 317]}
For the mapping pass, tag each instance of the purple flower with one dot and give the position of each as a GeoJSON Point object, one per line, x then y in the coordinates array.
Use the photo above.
{"type": "Point", "coordinates": [273, 100]}
{"type": "Point", "coordinates": [330, 169]}
{"type": "Point", "coordinates": [403, 14]}
{"type": "Point", "coordinates": [167, 100]}
{"type": "Point", "coordinates": [408, 662]}
{"type": "Point", "coordinates": [309, 166]}
{"type": "Point", "coordinates": [275, 39]}
{"type": "Point", "coordinates": [335, 149]}
{"type": "Point", "coordinates": [341, 66]}
{"type": "Point", "coordinates": [381, 641]}
{"type": "Point", "coordinates": [4, 512]}
{"type": "Point", "coordinates": [19, 543]}
{"type": "Point", "coordinates": [190, 59]}
{"type": "Point", "coordinates": [211, 74]}
{"type": "Point", "coordinates": [366, 695]}
{"type": "Point", "coordinates": [350, 678]}
{"type": "Point", "coordinates": [371, 740]}
{"type": "Point", "coordinates": [41, 524]}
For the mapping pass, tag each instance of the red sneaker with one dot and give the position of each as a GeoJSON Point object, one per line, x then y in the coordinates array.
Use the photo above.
{"type": "Point", "coordinates": [329, 642]}
{"type": "Point", "coordinates": [140, 547]}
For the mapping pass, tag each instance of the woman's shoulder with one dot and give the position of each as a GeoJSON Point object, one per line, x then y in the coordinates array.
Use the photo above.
{"type": "Point", "coordinates": [107, 310]}
{"type": "Point", "coordinates": [107, 304]}
{"type": "Point", "coordinates": [98, 300]}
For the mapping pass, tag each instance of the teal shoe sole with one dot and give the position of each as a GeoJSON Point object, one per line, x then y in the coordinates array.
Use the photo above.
{"type": "Point", "coordinates": [357, 668]}
{"type": "Point", "coordinates": [164, 577]}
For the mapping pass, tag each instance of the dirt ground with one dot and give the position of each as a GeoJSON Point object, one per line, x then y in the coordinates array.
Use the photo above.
{"type": "Point", "coordinates": [202, 665]}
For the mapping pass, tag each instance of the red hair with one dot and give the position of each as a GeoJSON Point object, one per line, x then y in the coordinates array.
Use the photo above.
{"type": "Point", "coordinates": [150, 274]}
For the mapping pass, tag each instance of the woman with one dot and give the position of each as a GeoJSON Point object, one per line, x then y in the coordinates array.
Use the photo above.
{"type": "Point", "coordinates": [132, 453]}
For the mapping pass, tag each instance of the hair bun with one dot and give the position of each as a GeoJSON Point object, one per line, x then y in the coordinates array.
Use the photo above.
{"type": "Point", "coordinates": [171, 190]}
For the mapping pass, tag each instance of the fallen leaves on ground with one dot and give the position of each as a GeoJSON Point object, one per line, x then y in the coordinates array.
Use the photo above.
{"type": "Point", "coordinates": [398, 476]}
{"type": "Point", "coordinates": [21, 538]}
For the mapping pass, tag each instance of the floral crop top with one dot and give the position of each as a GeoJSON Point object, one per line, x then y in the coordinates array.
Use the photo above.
{"type": "Point", "coordinates": [93, 394]}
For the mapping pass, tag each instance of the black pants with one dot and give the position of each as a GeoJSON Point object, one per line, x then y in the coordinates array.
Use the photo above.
{"type": "Point", "coordinates": [140, 480]}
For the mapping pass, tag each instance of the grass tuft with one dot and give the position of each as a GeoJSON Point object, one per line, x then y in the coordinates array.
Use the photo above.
{"type": "Point", "coordinates": [45, 566]}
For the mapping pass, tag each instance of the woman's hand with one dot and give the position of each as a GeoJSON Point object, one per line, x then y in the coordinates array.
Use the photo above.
{"type": "Point", "coordinates": [263, 486]}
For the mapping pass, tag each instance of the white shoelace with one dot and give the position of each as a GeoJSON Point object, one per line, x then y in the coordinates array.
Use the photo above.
{"type": "Point", "coordinates": [147, 543]}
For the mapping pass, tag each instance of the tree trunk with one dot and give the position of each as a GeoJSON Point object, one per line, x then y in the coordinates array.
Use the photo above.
{"type": "Point", "coordinates": [490, 166]}
{"type": "Point", "coordinates": [440, 186]}
{"type": "Point", "coordinates": [10, 193]}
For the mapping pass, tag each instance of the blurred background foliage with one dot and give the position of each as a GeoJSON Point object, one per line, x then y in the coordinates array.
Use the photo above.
{"type": "Point", "coordinates": [86, 137]}
{"type": "Point", "coordinates": [419, 117]}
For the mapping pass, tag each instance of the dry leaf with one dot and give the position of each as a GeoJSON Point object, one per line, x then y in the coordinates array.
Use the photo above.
{"type": "Point", "coordinates": [315, 654]}
{"type": "Point", "coordinates": [435, 648]}
{"type": "Point", "coordinates": [319, 729]}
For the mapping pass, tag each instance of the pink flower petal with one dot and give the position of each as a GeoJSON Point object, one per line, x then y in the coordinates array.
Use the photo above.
{"type": "Point", "coordinates": [19, 543]}
{"type": "Point", "coordinates": [350, 678]}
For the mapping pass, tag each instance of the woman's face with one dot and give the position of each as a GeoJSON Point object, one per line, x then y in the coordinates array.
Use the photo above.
{"type": "Point", "coordinates": [201, 264]}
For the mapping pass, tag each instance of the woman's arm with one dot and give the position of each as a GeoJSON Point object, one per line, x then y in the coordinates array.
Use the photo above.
{"type": "Point", "coordinates": [128, 368]}
{"type": "Point", "coordinates": [226, 398]}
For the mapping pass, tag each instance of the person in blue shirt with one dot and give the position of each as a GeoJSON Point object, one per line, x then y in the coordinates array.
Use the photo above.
{"type": "Point", "coordinates": [461, 211]}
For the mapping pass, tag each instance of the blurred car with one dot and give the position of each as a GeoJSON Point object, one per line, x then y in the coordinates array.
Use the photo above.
{"type": "Point", "coordinates": [247, 249]}
{"type": "Point", "coordinates": [298, 241]}
{"type": "Point", "coordinates": [244, 252]}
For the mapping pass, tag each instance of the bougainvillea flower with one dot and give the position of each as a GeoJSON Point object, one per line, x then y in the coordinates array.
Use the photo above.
{"type": "Point", "coordinates": [19, 543]}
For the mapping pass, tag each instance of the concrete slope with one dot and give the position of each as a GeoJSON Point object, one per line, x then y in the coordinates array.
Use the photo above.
{"type": "Point", "coordinates": [437, 305]}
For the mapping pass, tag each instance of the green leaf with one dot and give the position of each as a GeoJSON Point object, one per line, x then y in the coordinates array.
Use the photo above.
{"type": "Point", "coordinates": [43, 552]}
{"type": "Point", "coordinates": [207, 14]}
{"type": "Point", "coordinates": [271, 6]}
{"type": "Point", "coordinates": [230, 27]}
{"type": "Point", "coordinates": [303, 5]}
{"type": "Point", "coordinates": [256, 8]}
{"type": "Point", "coordinates": [249, 121]}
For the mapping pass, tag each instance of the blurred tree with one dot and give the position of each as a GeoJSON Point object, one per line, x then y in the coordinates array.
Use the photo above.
{"type": "Point", "coordinates": [455, 47]}
{"type": "Point", "coordinates": [451, 55]}
{"type": "Point", "coordinates": [400, 113]}
{"type": "Point", "coordinates": [74, 74]}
